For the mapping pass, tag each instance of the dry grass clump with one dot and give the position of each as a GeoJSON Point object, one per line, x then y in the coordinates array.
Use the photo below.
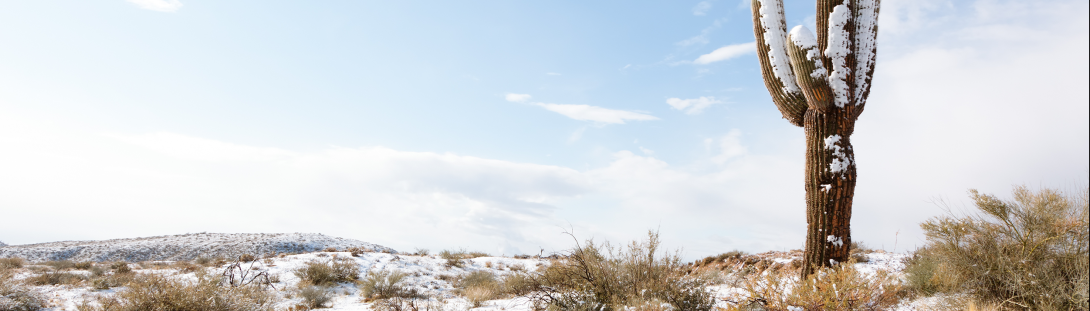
{"type": "Point", "coordinates": [157, 292]}
{"type": "Point", "coordinates": [15, 297]}
{"type": "Point", "coordinates": [839, 288]}
{"type": "Point", "coordinates": [329, 272]}
{"type": "Point", "coordinates": [11, 263]}
{"type": "Point", "coordinates": [1028, 253]}
{"type": "Point", "coordinates": [603, 277]}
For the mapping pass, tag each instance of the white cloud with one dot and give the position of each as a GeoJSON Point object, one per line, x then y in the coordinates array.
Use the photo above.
{"type": "Point", "coordinates": [702, 8]}
{"type": "Point", "coordinates": [158, 5]}
{"type": "Point", "coordinates": [596, 114]}
{"type": "Point", "coordinates": [727, 52]}
{"type": "Point", "coordinates": [692, 105]}
{"type": "Point", "coordinates": [125, 184]}
{"type": "Point", "coordinates": [552, 73]}
{"type": "Point", "coordinates": [517, 98]}
{"type": "Point", "coordinates": [730, 146]}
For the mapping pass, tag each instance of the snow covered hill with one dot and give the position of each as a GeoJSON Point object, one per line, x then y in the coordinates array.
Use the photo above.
{"type": "Point", "coordinates": [185, 247]}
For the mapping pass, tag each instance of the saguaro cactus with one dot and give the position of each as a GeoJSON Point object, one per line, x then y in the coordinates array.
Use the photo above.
{"type": "Point", "coordinates": [821, 85]}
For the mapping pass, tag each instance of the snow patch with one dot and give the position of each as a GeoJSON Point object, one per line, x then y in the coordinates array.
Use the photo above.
{"type": "Point", "coordinates": [838, 49]}
{"type": "Point", "coordinates": [775, 31]}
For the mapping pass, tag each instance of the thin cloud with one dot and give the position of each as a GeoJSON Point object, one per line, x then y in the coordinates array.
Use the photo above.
{"type": "Point", "coordinates": [702, 8]}
{"type": "Point", "coordinates": [158, 5]}
{"type": "Point", "coordinates": [517, 98]}
{"type": "Point", "coordinates": [553, 73]}
{"type": "Point", "coordinates": [727, 52]}
{"type": "Point", "coordinates": [596, 114]}
{"type": "Point", "coordinates": [692, 105]}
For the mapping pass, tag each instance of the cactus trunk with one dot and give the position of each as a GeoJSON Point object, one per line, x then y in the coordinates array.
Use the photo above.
{"type": "Point", "coordinates": [830, 186]}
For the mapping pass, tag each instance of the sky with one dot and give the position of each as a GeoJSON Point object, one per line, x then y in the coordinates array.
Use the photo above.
{"type": "Point", "coordinates": [501, 126]}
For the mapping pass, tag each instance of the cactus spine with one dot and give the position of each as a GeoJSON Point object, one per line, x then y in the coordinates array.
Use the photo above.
{"type": "Point", "coordinates": [821, 85]}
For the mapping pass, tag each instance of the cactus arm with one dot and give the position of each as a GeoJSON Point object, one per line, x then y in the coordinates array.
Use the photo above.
{"type": "Point", "coordinates": [866, 32]}
{"type": "Point", "coordinates": [840, 53]}
{"type": "Point", "coordinates": [809, 69]}
{"type": "Point", "coordinates": [770, 30]}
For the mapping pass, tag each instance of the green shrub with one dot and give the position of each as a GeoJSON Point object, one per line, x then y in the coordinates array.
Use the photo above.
{"type": "Point", "coordinates": [603, 277]}
{"type": "Point", "coordinates": [330, 272]}
{"type": "Point", "coordinates": [1027, 253]}
{"type": "Point", "coordinates": [157, 292]}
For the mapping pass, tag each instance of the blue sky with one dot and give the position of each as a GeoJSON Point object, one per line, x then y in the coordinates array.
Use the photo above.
{"type": "Point", "coordinates": [495, 125]}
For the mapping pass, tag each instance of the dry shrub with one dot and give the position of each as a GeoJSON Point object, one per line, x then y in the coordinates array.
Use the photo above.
{"type": "Point", "coordinates": [385, 284]}
{"type": "Point", "coordinates": [315, 296]}
{"type": "Point", "coordinates": [478, 295]}
{"type": "Point", "coordinates": [121, 267]}
{"type": "Point", "coordinates": [403, 304]}
{"type": "Point", "coordinates": [15, 297]}
{"type": "Point", "coordinates": [477, 254]}
{"type": "Point", "coordinates": [11, 263]}
{"type": "Point", "coordinates": [839, 288]}
{"type": "Point", "coordinates": [56, 278]}
{"type": "Point", "coordinates": [604, 277]}
{"type": "Point", "coordinates": [157, 292]}
{"type": "Point", "coordinates": [68, 264]}
{"type": "Point", "coordinates": [246, 258]}
{"type": "Point", "coordinates": [453, 258]}
{"type": "Point", "coordinates": [329, 272]}
{"type": "Point", "coordinates": [478, 287]}
{"type": "Point", "coordinates": [1027, 253]}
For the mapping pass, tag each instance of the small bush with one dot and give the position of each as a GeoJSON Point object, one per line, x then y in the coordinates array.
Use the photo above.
{"type": "Point", "coordinates": [56, 278]}
{"type": "Point", "coordinates": [324, 273]}
{"type": "Point", "coordinates": [11, 263]}
{"type": "Point", "coordinates": [839, 288]}
{"type": "Point", "coordinates": [477, 254]}
{"type": "Point", "coordinates": [315, 296]}
{"type": "Point", "coordinates": [600, 276]}
{"type": "Point", "coordinates": [453, 258]}
{"type": "Point", "coordinates": [204, 261]}
{"type": "Point", "coordinates": [1028, 253]}
{"type": "Point", "coordinates": [385, 284]}
{"type": "Point", "coordinates": [421, 252]}
{"type": "Point", "coordinates": [14, 297]}
{"type": "Point", "coordinates": [478, 295]}
{"type": "Point", "coordinates": [121, 267]}
{"type": "Point", "coordinates": [516, 284]}
{"type": "Point", "coordinates": [246, 258]}
{"type": "Point", "coordinates": [65, 264]}
{"type": "Point", "coordinates": [157, 292]}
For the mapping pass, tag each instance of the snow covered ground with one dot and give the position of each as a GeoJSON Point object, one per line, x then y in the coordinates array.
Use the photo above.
{"type": "Point", "coordinates": [427, 274]}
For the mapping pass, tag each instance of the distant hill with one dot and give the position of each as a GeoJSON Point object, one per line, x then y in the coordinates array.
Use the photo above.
{"type": "Point", "coordinates": [184, 247]}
